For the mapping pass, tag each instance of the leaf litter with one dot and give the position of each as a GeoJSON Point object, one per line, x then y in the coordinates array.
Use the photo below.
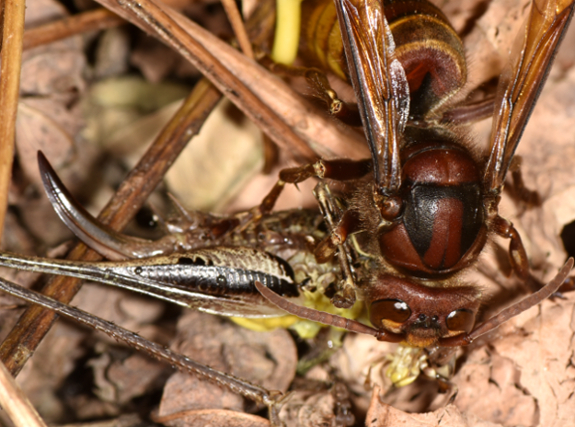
{"type": "Point", "coordinates": [520, 375]}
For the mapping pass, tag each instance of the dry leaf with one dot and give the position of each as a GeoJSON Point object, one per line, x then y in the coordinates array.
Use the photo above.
{"type": "Point", "coordinates": [267, 359]}
{"type": "Point", "coordinates": [218, 162]}
{"type": "Point", "coordinates": [215, 417]}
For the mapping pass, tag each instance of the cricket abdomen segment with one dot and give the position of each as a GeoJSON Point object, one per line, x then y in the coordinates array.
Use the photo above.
{"type": "Point", "coordinates": [215, 280]}
{"type": "Point", "coordinates": [220, 271]}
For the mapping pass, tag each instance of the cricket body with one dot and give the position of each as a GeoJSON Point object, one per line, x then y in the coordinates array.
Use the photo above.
{"type": "Point", "coordinates": [207, 262]}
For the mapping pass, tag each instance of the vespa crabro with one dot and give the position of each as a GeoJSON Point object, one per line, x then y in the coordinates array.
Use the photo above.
{"type": "Point", "coordinates": [404, 166]}
{"type": "Point", "coordinates": [399, 193]}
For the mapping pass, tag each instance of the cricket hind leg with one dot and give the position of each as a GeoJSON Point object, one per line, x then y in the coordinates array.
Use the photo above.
{"type": "Point", "coordinates": [273, 400]}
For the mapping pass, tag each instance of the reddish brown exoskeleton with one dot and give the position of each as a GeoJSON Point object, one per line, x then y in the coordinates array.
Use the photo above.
{"type": "Point", "coordinates": [432, 202]}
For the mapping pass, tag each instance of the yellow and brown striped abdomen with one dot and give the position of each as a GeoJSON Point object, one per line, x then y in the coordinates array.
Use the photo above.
{"type": "Point", "coordinates": [426, 45]}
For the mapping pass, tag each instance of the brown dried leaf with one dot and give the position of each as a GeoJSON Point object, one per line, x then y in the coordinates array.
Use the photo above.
{"type": "Point", "coordinates": [547, 150]}
{"type": "Point", "coordinates": [526, 376]}
{"type": "Point", "coordinates": [51, 78]}
{"type": "Point", "coordinates": [125, 114]}
{"type": "Point", "coordinates": [120, 381]}
{"type": "Point", "coordinates": [218, 162]}
{"type": "Point", "coordinates": [54, 68]}
{"type": "Point", "coordinates": [53, 71]}
{"type": "Point", "coordinates": [215, 417]}
{"type": "Point", "coordinates": [383, 415]}
{"type": "Point", "coordinates": [112, 53]}
{"type": "Point", "coordinates": [157, 61]}
{"type": "Point", "coordinates": [266, 359]}
{"type": "Point", "coordinates": [318, 404]}
{"type": "Point", "coordinates": [118, 376]}
{"type": "Point", "coordinates": [488, 44]}
{"type": "Point", "coordinates": [38, 131]}
{"type": "Point", "coordinates": [54, 360]}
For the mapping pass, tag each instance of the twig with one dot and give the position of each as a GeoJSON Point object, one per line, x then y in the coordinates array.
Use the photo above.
{"type": "Point", "coordinates": [36, 322]}
{"type": "Point", "coordinates": [98, 19]}
{"type": "Point", "coordinates": [11, 59]}
{"type": "Point", "coordinates": [15, 403]}
{"type": "Point", "coordinates": [235, 19]}
{"type": "Point", "coordinates": [270, 103]}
